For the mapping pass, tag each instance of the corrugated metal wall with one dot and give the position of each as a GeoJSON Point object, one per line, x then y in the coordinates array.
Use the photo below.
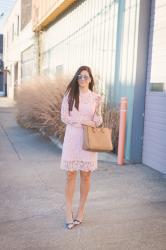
{"type": "Point", "coordinates": [154, 146]}
{"type": "Point", "coordinates": [85, 35]}
{"type": "Point", "coordinates": [103, 35]}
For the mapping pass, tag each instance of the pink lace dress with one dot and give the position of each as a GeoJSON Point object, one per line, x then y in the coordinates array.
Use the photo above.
{"type": "Point", "coordinates": [73, 156]}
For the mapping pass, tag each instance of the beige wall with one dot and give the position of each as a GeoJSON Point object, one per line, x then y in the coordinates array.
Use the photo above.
{"type": "Point", "coordinates": [44, 12]}
{"type": "Point", "coordinates": [26, 11]}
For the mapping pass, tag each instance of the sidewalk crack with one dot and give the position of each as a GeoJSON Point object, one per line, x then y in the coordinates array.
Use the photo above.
{"type": "Point", "coordinates": [51, 212]}
{"type": "Point", "coordinates": [10, 141]}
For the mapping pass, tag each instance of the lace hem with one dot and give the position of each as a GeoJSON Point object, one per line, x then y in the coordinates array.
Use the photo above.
{"type": "Point", "coordinates": [78, 165]}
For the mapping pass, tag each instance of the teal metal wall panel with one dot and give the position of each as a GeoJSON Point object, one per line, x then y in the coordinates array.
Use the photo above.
{"type": "Point", "coordinates": [126, 63]}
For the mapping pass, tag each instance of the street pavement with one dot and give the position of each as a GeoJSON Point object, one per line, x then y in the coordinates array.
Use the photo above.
{"type": "Point", "coordinates": [125, 210]}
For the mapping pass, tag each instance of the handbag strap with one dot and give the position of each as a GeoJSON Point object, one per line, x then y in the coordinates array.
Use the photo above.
{"type": "Point", "coordinates": [102, 125]}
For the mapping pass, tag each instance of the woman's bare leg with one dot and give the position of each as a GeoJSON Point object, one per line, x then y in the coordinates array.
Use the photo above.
{"type": "Point", "coordinates": [84, 190]}
{"type": "Point", "coordinates": [69, 193]}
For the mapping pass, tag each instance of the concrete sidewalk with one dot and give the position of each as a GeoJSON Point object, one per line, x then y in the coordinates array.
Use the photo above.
{"type": "Point", "coordinates": [126, 207]}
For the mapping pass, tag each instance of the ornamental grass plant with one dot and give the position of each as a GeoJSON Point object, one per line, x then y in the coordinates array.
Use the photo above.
{"type": "Point", "coordinates": [110, 116]}
{"type": "Point", "coordinates": [39, 106]}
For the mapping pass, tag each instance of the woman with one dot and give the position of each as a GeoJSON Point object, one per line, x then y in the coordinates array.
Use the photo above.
{"type": "Point", "coordinates": [80, 106]}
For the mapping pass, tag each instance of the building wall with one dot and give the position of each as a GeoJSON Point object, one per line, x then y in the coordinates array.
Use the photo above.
{"type": "Point", "coordinates": [104, 35]}
{"type": "Point", "coordinates": [44, 12]}
{"type": "Point", "coordinates": [11, 48]}
{"type": "Point", "coordinates": [26, 12]}
{"type": "Point", "coordinates": [154, 145]}
{"type": "Point", "coordinates": [15, 42]}
{"type": "Point", "coordinates": [90, 40]}
{"type": "Point", "coordinates": [111, 36]}
{"type": "Point", "coordinates": [140, 75]}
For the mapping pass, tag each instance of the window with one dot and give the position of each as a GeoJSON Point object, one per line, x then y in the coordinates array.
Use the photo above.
{"type": "Point", "coordinates": [157, 86]}
{"type": "Point", "coordinates": [27, 63]}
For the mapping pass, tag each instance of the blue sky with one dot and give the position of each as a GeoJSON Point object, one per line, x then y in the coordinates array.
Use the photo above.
{"type": "Point", "coordinates": [5, 7]}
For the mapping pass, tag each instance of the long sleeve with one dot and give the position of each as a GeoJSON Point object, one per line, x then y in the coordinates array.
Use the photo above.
{"type": "Point", "coordinates": [65, 117]}
{"type": "Point", "coordinates": [97, 116]}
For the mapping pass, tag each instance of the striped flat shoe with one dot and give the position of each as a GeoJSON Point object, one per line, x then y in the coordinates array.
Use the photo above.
{"type": "Point", "coordinates": [70, 225]}
{"type": "Point", "coordinates": [77, 222]}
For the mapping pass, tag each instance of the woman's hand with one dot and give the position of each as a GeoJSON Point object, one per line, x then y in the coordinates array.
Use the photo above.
{"type": "Point", "coordinates": [89, 123]}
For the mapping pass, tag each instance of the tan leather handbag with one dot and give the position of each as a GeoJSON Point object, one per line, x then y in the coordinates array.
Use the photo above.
{"type": "Point", "coordinates": [97, 139]}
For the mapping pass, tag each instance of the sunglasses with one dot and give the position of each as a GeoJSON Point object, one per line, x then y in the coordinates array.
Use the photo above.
{"type": "Point", "coordinates": [83, 77]}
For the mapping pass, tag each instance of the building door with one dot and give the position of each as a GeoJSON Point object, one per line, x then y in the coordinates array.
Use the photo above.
{"type": "Point", "coordinates": [154, 141]}
{"type": "Point", "coordinates": [1, 76]}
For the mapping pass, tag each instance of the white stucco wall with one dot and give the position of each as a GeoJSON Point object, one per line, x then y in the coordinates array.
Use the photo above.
{"type": "Point", "coordinates": [14, 48]}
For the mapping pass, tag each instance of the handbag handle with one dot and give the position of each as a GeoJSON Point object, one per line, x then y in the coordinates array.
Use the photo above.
{"type": "Point", "coordinates": [102, 129]}
{"type": "Point", "coordinates": [98, 114]}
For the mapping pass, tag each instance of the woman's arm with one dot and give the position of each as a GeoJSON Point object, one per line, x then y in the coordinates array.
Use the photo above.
{"type": "Point", "coordinates": [97, 119]}
{"type": "Point", "coordinates": [65, 117]}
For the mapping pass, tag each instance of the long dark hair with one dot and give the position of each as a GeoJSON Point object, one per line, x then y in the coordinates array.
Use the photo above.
{"type": "Point", "coordinates": [73, 88]}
